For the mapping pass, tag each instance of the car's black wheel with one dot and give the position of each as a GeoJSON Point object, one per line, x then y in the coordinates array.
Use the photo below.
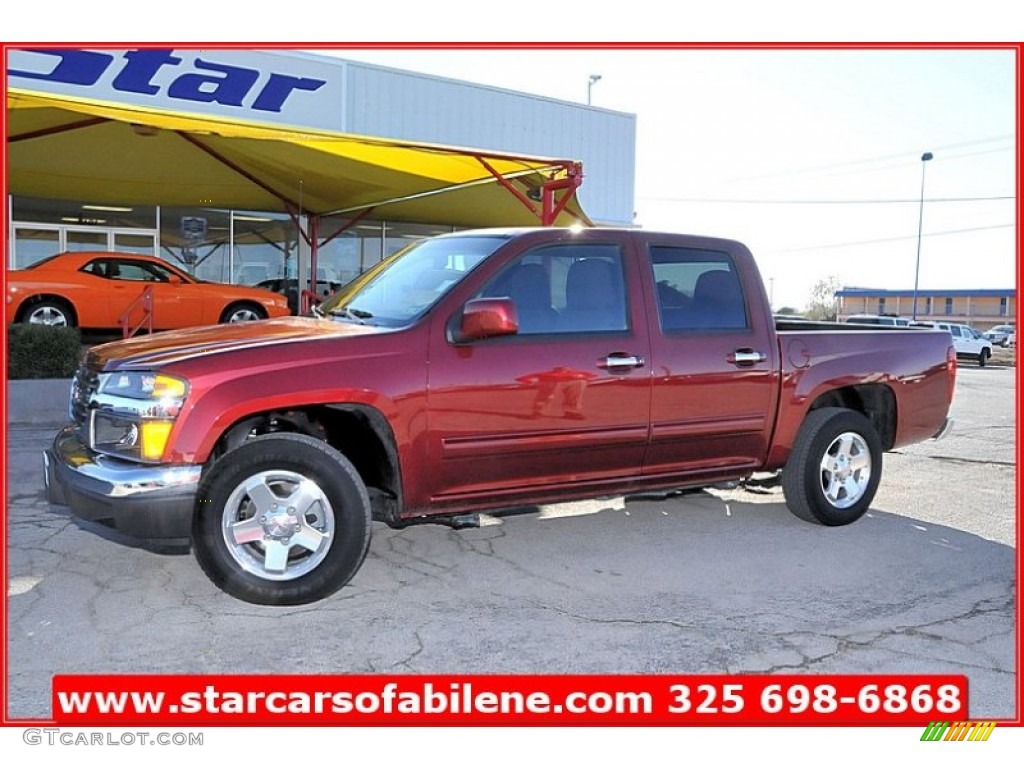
{"type": "Point", "coordinates": [983, 358]}
{"type": "Point", "coordinates": [283, 519]}
{"type": "Point", "coordinates": [243, 311]}
{"type": "Point", "coordinates": [49, 312]}
{"type": "Point", "coordinates": [833, 472]}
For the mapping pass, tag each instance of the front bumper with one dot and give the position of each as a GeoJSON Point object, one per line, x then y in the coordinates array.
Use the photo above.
{"type": "Point", "coordinates": [147, 502]}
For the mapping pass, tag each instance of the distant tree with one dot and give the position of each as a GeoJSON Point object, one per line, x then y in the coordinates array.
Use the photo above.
{"type": "Point", "coordinates": [823, 304]}
{"type": "Point", "coordinates": [787, 311]}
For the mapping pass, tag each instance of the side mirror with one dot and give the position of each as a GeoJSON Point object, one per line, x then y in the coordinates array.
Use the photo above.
{"type": "Point", "coordinates": [174, 280]}
{"type": "Point", "coordinates": [485, 318]}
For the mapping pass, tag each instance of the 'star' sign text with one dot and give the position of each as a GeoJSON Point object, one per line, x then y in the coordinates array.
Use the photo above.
{"type": "Point", "coordinates": [156, 72]}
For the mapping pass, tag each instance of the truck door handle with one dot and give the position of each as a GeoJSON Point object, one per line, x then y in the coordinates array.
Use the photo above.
{"type": "Point", "coordinates": [620, 360]}
{"type": "Point", "coordinates": [743, 357]}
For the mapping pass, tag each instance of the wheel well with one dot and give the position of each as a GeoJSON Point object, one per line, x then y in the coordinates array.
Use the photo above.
{"type": "Point", "coordinates": [31, 301]}
{"type": "Point", "coordinates": [361, 433]}
{"type": "Point", "coordinates": [876, 401]}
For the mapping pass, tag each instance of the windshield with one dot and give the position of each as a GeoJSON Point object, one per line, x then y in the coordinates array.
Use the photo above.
{"type": "Point", "coordinates": [404, 286]}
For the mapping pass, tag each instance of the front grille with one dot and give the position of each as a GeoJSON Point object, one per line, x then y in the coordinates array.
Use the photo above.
{"type": "Point", "coordinates": [83, 387]}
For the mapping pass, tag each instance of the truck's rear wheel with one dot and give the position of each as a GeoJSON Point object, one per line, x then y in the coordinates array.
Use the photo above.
{"type": "Point", "coordinates": [833, 473]}
{"type": "Point", "coordinates": [283, 519]}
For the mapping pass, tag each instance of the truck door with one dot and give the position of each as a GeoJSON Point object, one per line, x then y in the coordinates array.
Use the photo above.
{"type": "Point", "coordinates": [713, 357]}
{"type": "Point", "coordinates": [565, 401]}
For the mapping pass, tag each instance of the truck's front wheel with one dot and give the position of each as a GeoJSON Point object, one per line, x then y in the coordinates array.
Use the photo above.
{"type": "Point", "coordinates": [283, 519]}
{"type": "Point", "coordinates": [833, 473]}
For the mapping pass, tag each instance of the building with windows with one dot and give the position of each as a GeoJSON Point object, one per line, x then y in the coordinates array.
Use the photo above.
{"type": "Point", "coordinates": [245, 166]}
{"type": "Point", "coordinates": [979, 308]}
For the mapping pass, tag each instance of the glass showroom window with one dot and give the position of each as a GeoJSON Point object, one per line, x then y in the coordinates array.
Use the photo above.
{"type": "Point", "coordinates": [42, 227]}
{"type": "Point", "coordinates": [344, 256]}
{"type": "Point", "coordinates": [196, 240]}
{"type": "Point", "coordinates": [32, 244]}
{"type": "Point", "coordinates": [265, 246]}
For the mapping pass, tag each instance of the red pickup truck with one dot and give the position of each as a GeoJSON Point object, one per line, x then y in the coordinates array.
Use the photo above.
{"type": "Point", "coordinates": [481, 370]}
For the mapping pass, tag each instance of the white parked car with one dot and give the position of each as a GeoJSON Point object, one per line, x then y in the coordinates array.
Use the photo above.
{"type": "Point", "coordinates": [969, 343]}
{"type": "Point", "coordinates": [879, 320]}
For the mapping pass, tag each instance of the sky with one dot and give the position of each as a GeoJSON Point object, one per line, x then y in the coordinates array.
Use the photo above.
{"type": "Point", "coordinates": [810, 157]}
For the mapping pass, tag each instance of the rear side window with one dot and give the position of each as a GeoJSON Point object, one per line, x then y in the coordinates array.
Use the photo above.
{"type": "Point", "coordinates": [697, 290]}
{"type": "Point", "coordinates": [122, 269]}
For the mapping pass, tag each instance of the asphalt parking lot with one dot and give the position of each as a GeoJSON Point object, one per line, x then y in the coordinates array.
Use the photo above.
{"type": "Point", "coordinates": [706, 583]}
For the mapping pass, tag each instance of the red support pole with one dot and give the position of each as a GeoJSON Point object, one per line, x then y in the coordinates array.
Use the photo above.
{"type": "Point", "coordinates": [314, 247]}
{"type": "Point", "coordinates": [551, 206]}
{"type": "Point", "coordinates": [554, 206]}
{"type": "Point", "coordinates": [508, 185]}
{"type": "Point", "coordinates": [347, 225]}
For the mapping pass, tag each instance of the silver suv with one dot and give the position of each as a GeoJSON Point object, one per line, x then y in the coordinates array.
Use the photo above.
{"type": "Point", "coordinates": [1000, 334]}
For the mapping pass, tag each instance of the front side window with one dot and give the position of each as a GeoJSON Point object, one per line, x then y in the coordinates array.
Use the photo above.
{"type": "Point", "coordinates": [566, 288]}
{"type": "Point", "coordinates": [697, 290]}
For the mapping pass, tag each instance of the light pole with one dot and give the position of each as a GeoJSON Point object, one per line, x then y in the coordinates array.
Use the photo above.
{"type": "Point", "coordinates": [920, 221]}
{"type": "Point", "coordinates": [590, 84]}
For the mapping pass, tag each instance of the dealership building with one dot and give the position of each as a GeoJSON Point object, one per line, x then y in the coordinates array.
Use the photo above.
{"type": "Point", "coordinates": [981, 308]}
{"type": "Point", "coordinates": [246, 165]}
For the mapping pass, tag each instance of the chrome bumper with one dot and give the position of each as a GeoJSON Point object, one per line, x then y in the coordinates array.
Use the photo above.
{"type": "Point", "coordinates": [150, 502]}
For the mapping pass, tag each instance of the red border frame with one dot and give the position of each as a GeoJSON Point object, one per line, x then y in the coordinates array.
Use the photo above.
{"type": "Point", "coordinates": [498, 45]}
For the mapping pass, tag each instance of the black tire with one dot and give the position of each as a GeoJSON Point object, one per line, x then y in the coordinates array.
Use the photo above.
{"type": "Point", "coordinates": [242, 311]}
{"type": "Point", "coordinates": [983, 358]}
{"type": "Point", "coordinates": [49, 312]}
{"type": "Point", "coordinates": [263, 553]}
{"type": "Point", "coordinates": [833, 472]}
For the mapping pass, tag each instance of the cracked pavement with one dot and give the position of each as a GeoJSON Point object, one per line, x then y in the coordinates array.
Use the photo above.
{"type": "Point", "coordinates": [710, 582]}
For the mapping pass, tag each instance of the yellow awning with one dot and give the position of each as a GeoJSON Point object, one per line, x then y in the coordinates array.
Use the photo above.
{"type": "Point", "coordinates": [76, 149]}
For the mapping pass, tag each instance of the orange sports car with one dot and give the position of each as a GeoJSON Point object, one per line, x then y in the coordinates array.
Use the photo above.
{"type": "Point", "coordinates": [94, 290]}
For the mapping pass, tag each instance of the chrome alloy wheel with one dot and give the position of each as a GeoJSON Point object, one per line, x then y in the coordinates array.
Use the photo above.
{"type": "Point", "coordinates": [243, 315]}
{"type": "Point", "coordinates": [278, 525]}
{"type": "Point", "coordinates": [48, 314]}
{"type": "Point", "coordinates": [845, 470]}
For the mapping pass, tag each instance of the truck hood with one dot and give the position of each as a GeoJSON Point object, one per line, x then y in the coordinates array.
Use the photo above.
{"type": "Point", "coordinates": [158, 349]}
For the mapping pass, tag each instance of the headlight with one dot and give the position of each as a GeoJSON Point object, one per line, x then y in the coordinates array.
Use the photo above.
{"type": "Point", "coordinates": [163, 395]}
{"type": "Point", "coordinates": [135, 413]}
{"type": "Point", "coordinates": [143, 386]}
